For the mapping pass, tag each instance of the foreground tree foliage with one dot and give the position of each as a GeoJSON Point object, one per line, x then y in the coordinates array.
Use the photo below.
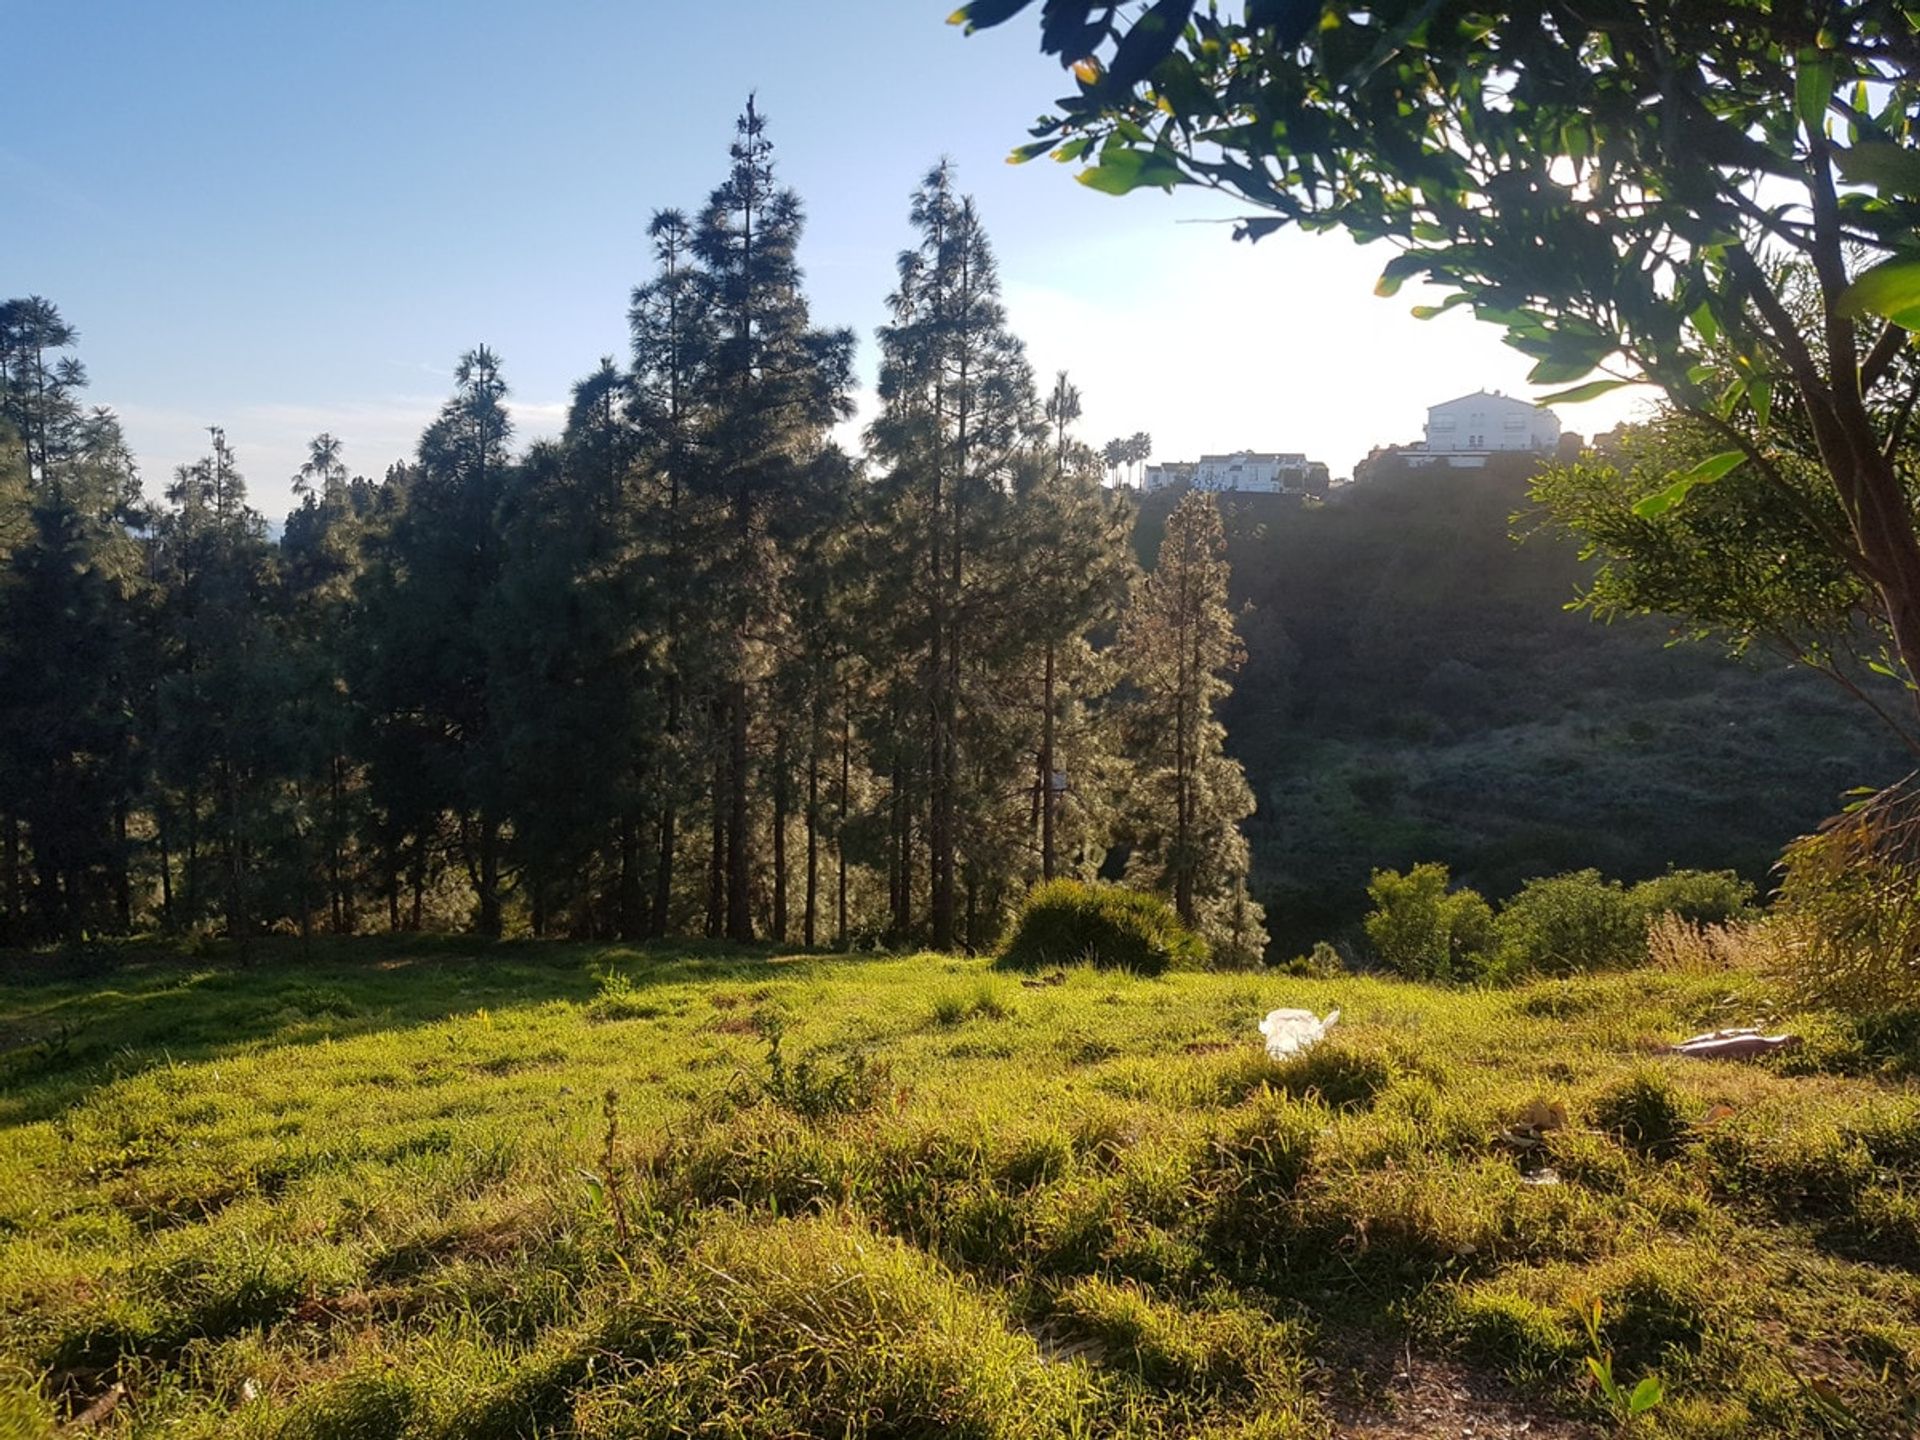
{"type": "Point", "coordinates": [1718, 201]}
{"type": "Point", "coordinates": [685, 668]}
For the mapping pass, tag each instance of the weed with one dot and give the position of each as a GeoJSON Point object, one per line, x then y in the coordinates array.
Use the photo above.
{"type": "Point", "coordinates": [1623, 1404]}
{"type": "Point", "coordinates": [817, 1086]}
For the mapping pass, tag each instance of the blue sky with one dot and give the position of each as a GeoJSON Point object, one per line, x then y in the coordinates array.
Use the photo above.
{"type": "Point", "coordinates": [289, 218]}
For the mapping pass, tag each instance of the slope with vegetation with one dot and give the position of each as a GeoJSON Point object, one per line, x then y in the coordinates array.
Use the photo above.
{"type": "Point", "coordinates": [1415, 689]}
{"type": "Point", "coordinates": [411, 1188]}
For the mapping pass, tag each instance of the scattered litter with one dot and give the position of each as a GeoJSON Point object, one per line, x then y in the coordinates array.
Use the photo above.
{"type": "Point", "coordinates": [1545, 1175]}
{"type": "Point", "coordinates": [100, 1409]}
{"type": "Point", "coordinates": [1536, 1120]}
{"type": "Point", "coordinates": [1289, 1032]}
{"type": "Point", "coordinates": [1545, 1115]}
{"type": "Point", "coordinates": [1732, 1045]}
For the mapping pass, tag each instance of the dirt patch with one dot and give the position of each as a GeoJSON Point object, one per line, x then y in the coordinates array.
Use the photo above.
{"type": "Point", "coordinates": [1408, 1396]}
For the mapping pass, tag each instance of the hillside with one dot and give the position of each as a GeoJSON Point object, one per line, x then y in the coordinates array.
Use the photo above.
{"type": "Point", "coordinates": [426, 1189]}
{"type": "Point", "coordinates": [1416, 690]}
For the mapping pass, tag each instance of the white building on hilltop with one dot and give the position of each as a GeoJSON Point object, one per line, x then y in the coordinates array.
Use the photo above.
{"type": "Point", "coordinates": [1249, 471]}
{"type": "Point", "coordinates": [1463, 432]}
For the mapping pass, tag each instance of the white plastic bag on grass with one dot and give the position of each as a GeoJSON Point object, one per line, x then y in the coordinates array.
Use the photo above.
{"type": "Point", "coordinates": [1289, 1032]}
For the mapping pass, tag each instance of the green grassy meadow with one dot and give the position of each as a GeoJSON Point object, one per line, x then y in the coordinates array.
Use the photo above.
{"type": "Point", "coordinates": [437, 1189]}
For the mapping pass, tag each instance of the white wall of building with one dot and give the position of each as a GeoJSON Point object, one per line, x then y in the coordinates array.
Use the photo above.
{"type": "Point", "coordinates": [1253, 471]}
{"type": "Point", "coordinates": [1483, 422]}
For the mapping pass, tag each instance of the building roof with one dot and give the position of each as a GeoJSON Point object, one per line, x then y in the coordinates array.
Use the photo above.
{"type": "Point", "coordinates": [1488, 395]}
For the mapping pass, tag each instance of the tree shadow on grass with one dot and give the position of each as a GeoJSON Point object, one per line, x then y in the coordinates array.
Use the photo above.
{"type": "Point", "coordinates": [69, 1025]}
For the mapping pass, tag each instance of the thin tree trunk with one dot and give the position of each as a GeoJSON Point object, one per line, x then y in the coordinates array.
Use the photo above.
{"type": "Point", "coordinates": [780, 802]}
{"type": "Point", "coordinates": [10, 877]}
{"type": "Point", "coordinates": [808, 933]}
{"type": "Point", "coordinates": [630, 921]}
{"type": "Point", "coordinates": [717, 857]}
{"type": "Point", "coordinates": [739, 841]}
{"type": "Point", "coordinates": [663, 865]}
{"type": "Point", "coordinates": [122, 880]}
{"type": "Point", "coordinates": [490, 920]}
{"type": "Point", "coordinates": [166, 867]}
{"type": "Point", "coordinates": [1046, 770]}
{"type": "Point", "coordinates": [840, 836]}
{"type": "Point", "coordinates": [336, 886]}
{"type": "Point", "coordinates": [419, 878]}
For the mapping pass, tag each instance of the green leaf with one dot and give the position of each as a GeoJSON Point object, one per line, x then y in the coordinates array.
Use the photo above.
{"type": "Point", "coordinates": [1891, 288]}
{"type": "Point", "coordinates": [1813, 89]}
{"type": "Point", "coordinates": [596, 1188]}
{"type": "Point", "coordinates": [1120, 171]}
{"type": "Point", "coordinates": [1580, 394]}
{"type": "Point", "coordinates": [1647, 1394]}
{"type": "Point", "coordinates": [1713, 468]}
{"type": "Point", "coordinates": [1760, 393]}
{"type": "Point", "coordinates": [1602, 1370]}
{"type": "Point", "coordinates": [1396, 272]}
{"type": "Point", "coordinates": [1023, 153]}
{"type": "Point", "coordinates": [1558, 369]}
{"type": "Point", "coordinates": [1704, 322]}
{"type": "Point", "coordinates": [1889, 169]}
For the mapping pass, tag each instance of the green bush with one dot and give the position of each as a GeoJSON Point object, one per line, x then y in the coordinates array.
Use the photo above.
{"type": "Point", "coordinates": [1566, 924]}
{"type": "Point", "coordinates": [1424, 932]}
{"type": "Point", "coordinates": [1066, 922]}
{"type": "Point", "coordinates": [1849, 905]}
{"type": "Point", "coordinates": [1700, 897]}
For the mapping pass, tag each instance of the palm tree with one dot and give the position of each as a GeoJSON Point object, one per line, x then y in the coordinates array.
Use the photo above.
{"type": "Point", "coordinates": [1115, 453]}
{"type": "Point", "coordinates": [323, 464]}
{"type": "Point", "coordinates": [1140, 448]}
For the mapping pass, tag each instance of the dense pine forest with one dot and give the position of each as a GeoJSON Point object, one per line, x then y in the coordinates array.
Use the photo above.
{"type": "Point", "coordinates": [688, 669]}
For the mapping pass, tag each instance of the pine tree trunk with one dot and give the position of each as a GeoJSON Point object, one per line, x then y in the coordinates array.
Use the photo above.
{"type": "Point", "coordinates": [840, 837]}
{"type": "Point", "coordinates": [419, 878]}
{"type": "Point", "coordinates": [662, 918]}
{"type": "Point", "coordinates": [490, 925]}
{"type": "Point", "coordinates": [10, 876]}
{"type": "Point", "coordinates": [238, 924]}
{"type": "Point", "coordinates": [780, 803]}
{"type": "Point", "coordinates": [191, 876]}
{"type": "Point", "coordinates": [808, 923]}
{"type": "Point", "coordinates": [336, 886]}
{"type": "Point", "coordinates": [739, 838]}
{"type": "Point", "coordinates": [166, 867]}
{"type": "Point", "coordinates": [630, 922]}
{"type": "Point", "coordinates": [1047, 767]}
{"type": "Point", "coordinates": [663, 866]}
{"type": "Point", "coordinates": [717, 857]}
{"type": "Point", "coordinates": [122, 879]}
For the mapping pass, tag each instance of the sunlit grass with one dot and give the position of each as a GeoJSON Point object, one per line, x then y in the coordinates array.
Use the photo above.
{"type": "Point", "coordinates": [373, 1193]}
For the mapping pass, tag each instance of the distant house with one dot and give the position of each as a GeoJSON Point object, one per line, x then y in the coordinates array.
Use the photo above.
{"type": "Point", "coordinates": [1167, 475]}
{"type": "Point", "coordinates": [1463, 433]}
{"type": "Point", "coordinates": [1247, 471]}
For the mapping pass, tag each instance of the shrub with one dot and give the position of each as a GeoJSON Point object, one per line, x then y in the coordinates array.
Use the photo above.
{"type": "Point", "coordinates": [1565, 924]}
{"type": "Point", "coordinates": [1700, 897]}
{"type": "Point", "coordinates": [1424, 932]}
{"type": "Point", "coordinates": [1850, 906]}
{"type": "Point", "coordinates": [1066, 922]}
